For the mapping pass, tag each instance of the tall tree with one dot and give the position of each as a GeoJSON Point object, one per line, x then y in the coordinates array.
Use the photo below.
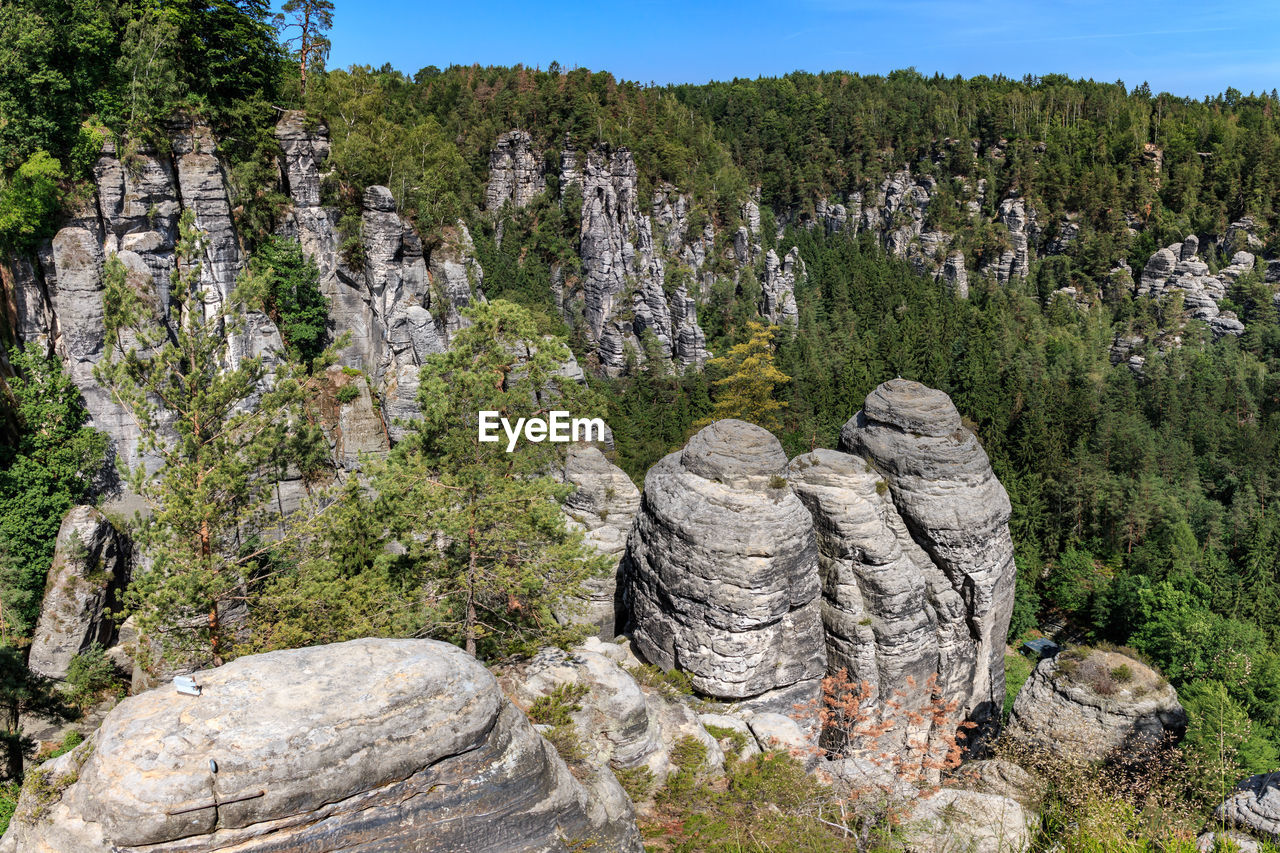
{"type": "Point", "coordinates": [312, 19]}
{"type": "Point", "coordinates": [483, 524]}
{"type": "Point", "coordinates": [747, 389]}
{"type": "Point", "coordinates": [218, 428]}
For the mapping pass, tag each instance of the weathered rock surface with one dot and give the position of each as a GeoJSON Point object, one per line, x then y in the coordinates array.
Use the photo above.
{"type": "Point", "coordinates": [722, 577]}
{"type": "Point", "coordinates": [955, 821]}
{"type": "Point", "coordinates": [879, 623]}
{"type": "Point", "coordinates": [619, 723]}
{"type": "Point", "coordinates": [371, 744]}
{"type": "Point", "coordinates": [1081, 704]}
{"type": "Point", "coordinates": [603, 506]}
{"type": "Point", "coordinates": [1003, 778]}
{"type": "Point", "coordinates": [1254, 806]}
{"type": "Point", "coordinates": [90, 571]}
{"type": "Point", "coordinates": [515, 171]}
{"type": "Point", "coordinates": [778, 289]}
{"type": "Point", "coordinates": [1209, 842]}
{"type": "Point", "coordinates": [957, 513]}
{"type": "Point", "coordinates": [1178, 270]}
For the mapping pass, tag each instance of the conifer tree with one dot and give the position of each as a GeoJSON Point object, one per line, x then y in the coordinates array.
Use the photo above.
{"type": "Point", "coordinates": [218, 428]}
{"type": "Point", "coordinates": [751, 379]}
{"type": "Point", "coordinates": [482, 525]}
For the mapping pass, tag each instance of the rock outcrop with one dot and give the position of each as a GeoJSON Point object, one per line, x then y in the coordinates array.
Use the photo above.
{"type": "Point", "coordinates": [1090, 704]}
{"type": "Point", "coordinates": [1178, 270]}
{"type": "Point", "coordinates": [370, 744]}
{"type": "Point", "coordinates": [778, 289]}
{"type": "Point", "coordinates": [956, 515]}
{"type": "Point", "coordinates": [957, 821]}
{"type": "Point", "coordinates": [1254, 806]}
{"type": "Point", "coordinates": [618, 722]}
{"type": "Point", "coordinates": [515, 172]}
{"type": "Point", "coordinates": [721, 575]}
{"type": "Point", "coordinates": [603, 505]}
{"type": "Point", "coordinates": [91, 565]}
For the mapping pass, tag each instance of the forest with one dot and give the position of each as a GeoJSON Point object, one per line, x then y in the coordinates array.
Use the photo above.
{"type": "Point", "coordinates": [1144, 503]}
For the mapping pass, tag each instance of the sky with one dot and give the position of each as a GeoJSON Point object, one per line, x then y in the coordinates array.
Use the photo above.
{"type": "Point", "coordinates": [1187, 48]}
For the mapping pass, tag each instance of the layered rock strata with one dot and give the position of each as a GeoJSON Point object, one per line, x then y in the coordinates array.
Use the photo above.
{"type": "Point", "coordinates": [722, 577]}
{"type": "Point", "coordinates": [371, 744]}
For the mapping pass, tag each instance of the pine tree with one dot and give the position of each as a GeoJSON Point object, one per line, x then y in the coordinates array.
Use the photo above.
{"type": "Point", "coordinates": [484, 526]}
{"type": "Point", "coordinates": [747, 389]}
{"type": "Point", "coordinates": [218, 429]}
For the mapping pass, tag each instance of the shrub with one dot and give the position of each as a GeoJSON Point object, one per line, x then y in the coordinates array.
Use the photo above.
{"type": "Point", "coordinates": [90, 674]}
{"type": "Point", "coordinates": [777, 481]}
{"type": "Point", "coordinates": [636, 781]}
{"type": "Point", "coordinates": [70, 741]}
{"type": "Point", "coordinates": [347, 393]}
{"type": "Point", "coordinates": [555, 708]}
{"type": "Point", "coordinates": [1122, 674]}
{"type": "Point", "coordinates": [8, 803]}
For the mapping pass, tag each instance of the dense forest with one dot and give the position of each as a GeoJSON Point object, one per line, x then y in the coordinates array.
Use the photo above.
{"type": "Point", "coordinates": [1144, 502]}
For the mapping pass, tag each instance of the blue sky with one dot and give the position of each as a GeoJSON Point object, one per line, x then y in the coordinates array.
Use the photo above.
{"type": "Point", "coordinates": [1188, 48]}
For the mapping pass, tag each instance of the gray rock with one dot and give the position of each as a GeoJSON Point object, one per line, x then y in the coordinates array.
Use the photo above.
{"type": "Point", "coordinates": [603, 505]}
{"type": "Point", "coordinates": [1077, 708]}
{"type": "Point", "coordinates": [955, 821]}
{"type": "Point", "coordinates": [955, 275]}
{"type": "Point", "coordinates": [778, 731]}
{"type": "Point", "coordinates": [305, 148]}
{"type": "Point", "coordinates": [371, 744]}
{"type": "Point", "coordinates": [744, 736]}
{"type": "Point", "coordinates": [1003, 778]}
{"type": "Point", "coordinates": [90, 571]}
{"type": "Point", "coordinates": [957, 512]}
{"type": "Point", "coordinates": [779, 285]}
{"type": "Point", "coordinates": [1254, 806]}
{"type": "Point", "coordinates": [515, 171]}
{"type": "Point", "coordinates": [1157, 272]}
{"type": "Point", "coordinates": [1209, 842]}
{"type": "Point", "coordinates": [721, 570]}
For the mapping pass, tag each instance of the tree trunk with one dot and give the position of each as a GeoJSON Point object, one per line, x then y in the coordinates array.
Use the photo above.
{"type": "Point", "coordinates": [12, 742]}
{"type": "Point", "coordinates": [471, 587]}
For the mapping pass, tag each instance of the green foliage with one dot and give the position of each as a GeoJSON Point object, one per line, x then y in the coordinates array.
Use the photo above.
{"type": "Point", "coordinates": [505, 558]}
{"type": "Point", "coordinates": [70, 741]}
{"type": "Point", "coordinates": [347, 393]}
{"type": "Point", "coordinates": [1017, 669]}
{"type": "Point", "coordinates": [285, 284]}
{"type": "Point", "coordinates": [28, 203]}
{"type": "Point", "coordinates": [90, 674]}
{"type": "Point", "coordinates": [213, 489]}
{"type": "Point", "coordinates": [9, 792]}
{"type": "Point", "coordinates": [555, 708]}
{"type": "Point", "coordinates": [43, 473]}
{"type": "Point", "coordinates": [22, 692]}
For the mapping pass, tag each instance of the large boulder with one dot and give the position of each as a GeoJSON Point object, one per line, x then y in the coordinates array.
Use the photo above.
{"type": "Point", "coordinates": [1254, 806]}
{"type": "Point", "coordinates": [1091, 705]}
{"type": "Point", "coordinates": [957, 513]}
{"type": "Point", "coordinates": [90, 570]}
{"type": "Point", "coordinates": [956, 821]}
{"type": "Point", "coordinates": [365, 745]}
{"type": "Point", "coordinates": [722, 576]}
{"type": "Point", "coordinates": [603, 505]}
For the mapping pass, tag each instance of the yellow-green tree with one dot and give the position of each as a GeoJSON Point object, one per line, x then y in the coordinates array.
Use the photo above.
{"type": "Point", "coordinates": [746, 390]}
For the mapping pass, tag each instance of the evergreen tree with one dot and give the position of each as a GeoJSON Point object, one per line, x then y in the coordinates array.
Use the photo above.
{"type": "Point", "coordinates": [219, 429]}
{"type": "Point", "coordinates": [481, 525]}
{"type": "Point", "coordinates": [751, 379]}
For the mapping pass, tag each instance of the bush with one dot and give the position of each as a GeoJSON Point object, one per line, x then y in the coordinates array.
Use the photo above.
{"type": "Point", "coordinates": [9, 792]}
{"type": "Point", "coordinates": [90, 675]}
{"type": "Point", "coordinates": [29, 203]}
{"type": "Point", "coordinates": [288, 291]}
{"type": "Point", "coordinates": [554, 709]}
{"type": "Point", "coordinates": [347, 393]}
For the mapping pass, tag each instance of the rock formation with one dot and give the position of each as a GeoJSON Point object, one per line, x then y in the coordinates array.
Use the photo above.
{"type": "Point", "coordinates": [370, 744]}
{"type": "Point", "coordinates": [722, 577]}
{"type": "Point", "coordinates": [91, 565]}
{"type": "Point", "coordinates": [515, 172]}
{"type": "Point", "coordinates": [956, 821]}
{"type": "Point", "coordinates": [1254, 806]}
{"type": "Point", "coordinates": [778, 288]}
{"type": "Point", "coordinates": [1089, 704]}
{"type": "Point", "coordinates": [619, 723]}
{"type": "Point", "coordinates": [1178, 269]}
{"type": "Point", "coordinates": [956, 516]}
{"type": "Point", "coordinates": [603, 505]}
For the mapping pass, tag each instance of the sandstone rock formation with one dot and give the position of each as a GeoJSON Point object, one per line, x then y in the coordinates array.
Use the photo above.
{"type": "Point", "coordinates": [778, 289]}
{"type": "Point", "coordinates": [618, 722]}
{"type": "Point", "coordinates": [90, 570]}
{"type": "Point", "coordinates": [1089, 704]}
{"type": "Point", "coordinates": [956, 514]}
{"type": "Point", "coordinates": [603, 505]}
{"type": "Point", "coordinates": [956, 821]}
{"type": "Point", "coordinates": [1178, 269]}
{"type": "Point", "coordinates": [370, 744]}
{"type": "Point", "coordinates": [515, 172]}
{"type": "Point", "coordinates": [1254, 806]}
{"type": "Point", "coordinates": [721, 573]}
